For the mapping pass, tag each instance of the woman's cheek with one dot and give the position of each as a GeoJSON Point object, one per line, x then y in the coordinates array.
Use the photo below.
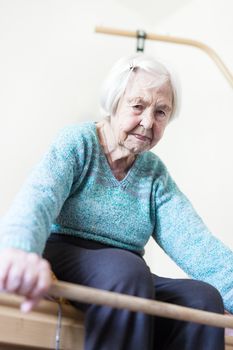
{"type": "Point", "coordinates": [130, 123]}
{"type": "Point", "coordinates": [122, 137]}
{"type": "Point", "coordinates": [125, 129]}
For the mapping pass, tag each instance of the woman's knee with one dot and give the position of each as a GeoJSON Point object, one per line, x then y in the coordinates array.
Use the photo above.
{"type": "Point", "coordinates": [204, 296]}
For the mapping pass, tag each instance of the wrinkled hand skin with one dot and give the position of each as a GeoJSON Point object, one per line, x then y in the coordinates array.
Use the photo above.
{"type": "Point", "coordinates": [25, 274]}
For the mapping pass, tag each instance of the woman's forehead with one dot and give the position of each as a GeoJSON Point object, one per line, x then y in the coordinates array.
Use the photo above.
{"type": "Point", "coordinates": [146, 80]}
{"type": "Point", "coordinates": [141, 86]}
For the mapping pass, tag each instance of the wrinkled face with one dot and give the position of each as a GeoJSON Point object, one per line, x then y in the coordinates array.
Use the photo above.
{"type": "Point", "coordinates": [143, 113]}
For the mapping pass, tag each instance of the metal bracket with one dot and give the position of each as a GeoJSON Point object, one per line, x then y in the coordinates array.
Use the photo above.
{"type": "Point", "coordinates": [141, 37]}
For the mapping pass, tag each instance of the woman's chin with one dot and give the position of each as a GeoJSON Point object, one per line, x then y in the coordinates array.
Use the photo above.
{"type": "Point", "coordinates": [136, 149]}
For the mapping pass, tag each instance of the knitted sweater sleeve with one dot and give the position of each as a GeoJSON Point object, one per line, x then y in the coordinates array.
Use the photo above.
{"type": "Point", "coordinates": [27, 224]}
{"type": "Point", "coordinates": [182, 234]}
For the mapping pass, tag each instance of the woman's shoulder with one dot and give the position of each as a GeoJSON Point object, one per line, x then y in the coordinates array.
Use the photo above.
{"type": "Point", "coordinates": [157, 170]}
{"type": "Point", "coordinates": [84, 129]}
{"type": "Point", "coordinates": [74, 135]}
{"type": "Point", "coordinates": [153, 162]}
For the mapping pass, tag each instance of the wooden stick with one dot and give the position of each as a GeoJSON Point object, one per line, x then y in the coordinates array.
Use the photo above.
{"type": "Point", "coordinates": [121, 301]}
{"type": "Point", "coordinates": [175, 40]}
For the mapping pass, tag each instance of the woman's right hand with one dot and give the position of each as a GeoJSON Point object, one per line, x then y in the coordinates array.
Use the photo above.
{"type": "Point", "coordinates": [26, 274]}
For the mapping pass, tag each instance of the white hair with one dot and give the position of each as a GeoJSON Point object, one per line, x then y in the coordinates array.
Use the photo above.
{"type": "Point", "coordinates": [115, 84]}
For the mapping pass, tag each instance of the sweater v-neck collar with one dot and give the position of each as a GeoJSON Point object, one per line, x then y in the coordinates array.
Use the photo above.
{"type": "Point", "coordinates": [131, 172]}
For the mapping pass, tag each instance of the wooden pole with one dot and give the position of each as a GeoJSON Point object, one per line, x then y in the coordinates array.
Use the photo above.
{"type": "Point", "coordinates": [121, 301]}
{"type": "Point", "coordinates": [174, 40]}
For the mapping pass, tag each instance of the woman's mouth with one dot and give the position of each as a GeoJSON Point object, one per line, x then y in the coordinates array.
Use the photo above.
{"type": "Point", "coordinates": [141, 137]}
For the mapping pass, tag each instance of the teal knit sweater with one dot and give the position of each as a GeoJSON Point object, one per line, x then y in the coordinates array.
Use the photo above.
{"type": "Point", "coordinates": [73, 191]}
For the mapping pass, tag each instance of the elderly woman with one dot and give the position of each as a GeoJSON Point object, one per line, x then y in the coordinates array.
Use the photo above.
{"type": "Point", "coordinates": [90, 207]}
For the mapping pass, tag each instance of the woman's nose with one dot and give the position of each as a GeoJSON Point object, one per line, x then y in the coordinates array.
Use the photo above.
{"type": "Point", "coordinates": [147, 120]}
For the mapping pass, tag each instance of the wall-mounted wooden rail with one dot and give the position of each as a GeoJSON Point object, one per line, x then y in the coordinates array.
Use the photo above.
{"type": "Point", "coordinates": [174, 40]}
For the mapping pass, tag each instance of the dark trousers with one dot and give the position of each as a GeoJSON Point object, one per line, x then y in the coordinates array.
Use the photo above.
{"type": "Point", "coordinates": [100, 266]}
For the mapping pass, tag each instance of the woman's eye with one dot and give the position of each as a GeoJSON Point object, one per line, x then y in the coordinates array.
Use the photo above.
{"type": "Point", "coordinates": [160, 113]}
{"type": "Point", "coordinates": [138, 107]}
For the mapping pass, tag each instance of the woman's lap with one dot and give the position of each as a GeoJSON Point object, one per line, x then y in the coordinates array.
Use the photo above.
{"type": "Point", "coordinates": [96, 265]}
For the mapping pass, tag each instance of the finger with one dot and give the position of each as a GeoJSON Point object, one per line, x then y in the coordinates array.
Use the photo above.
{"type": "Point", "coordinates": [14, 277]}
{"type": "Point", "coordinates": [44, 281]}
{"type": "Point", "coordinates": [30, 276]}
{"type": "Point", "coordinates": [8, 258]}
{"type": "Point", "coordinates": [41, 288]}
{"type": "Point", "coordinates": [35, 268]}
{"type": "Point", "coordinates": [22, 274]}
{"type": "Point", "coordinates": [28, 282]}
{"type": "Point", "coordinates": [28, 304]}
{"type": "Point", "coordinates": [5, 265]}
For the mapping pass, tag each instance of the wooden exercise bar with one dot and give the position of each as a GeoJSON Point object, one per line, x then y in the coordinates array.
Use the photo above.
{"type": "Point", "coordinates": [122, 301]}
{"type": "Point", "coordinates": [174, 40]}
{"type": "Point", "coordinates": [132, 303]}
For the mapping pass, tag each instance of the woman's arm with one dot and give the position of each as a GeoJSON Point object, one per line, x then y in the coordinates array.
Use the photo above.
{"type": "Point", "coordinates": [27, 224]}
{"type": "Point", "coordinates": [184, 237]}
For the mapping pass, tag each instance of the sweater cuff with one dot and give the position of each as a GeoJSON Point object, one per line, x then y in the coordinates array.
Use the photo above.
{"type": "Point", "coordinates": [12, 241]}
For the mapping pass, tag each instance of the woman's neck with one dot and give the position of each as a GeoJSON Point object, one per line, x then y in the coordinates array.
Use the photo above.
{"type": "Point", "coordinates": [120, 159]}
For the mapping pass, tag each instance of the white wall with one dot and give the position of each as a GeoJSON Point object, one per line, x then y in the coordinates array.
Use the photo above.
{"type": "Point", "coordinates": [51, 67]}
{"type": "Point", "coordinates": [197, 147]}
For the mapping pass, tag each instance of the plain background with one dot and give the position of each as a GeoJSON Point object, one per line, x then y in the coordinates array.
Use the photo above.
{"type": "Point", "coordinates": [52, 64]}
